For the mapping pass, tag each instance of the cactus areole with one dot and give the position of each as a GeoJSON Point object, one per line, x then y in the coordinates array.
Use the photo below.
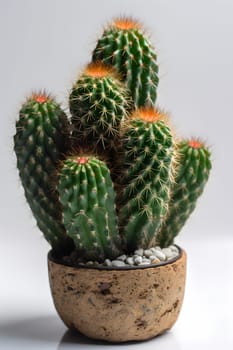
{"type": "Point", "coordinates": [82, 160]}
{"type": "Point", "coordinates": [109, 180]}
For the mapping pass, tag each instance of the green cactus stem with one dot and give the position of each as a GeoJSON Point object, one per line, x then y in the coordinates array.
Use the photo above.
{"type": "Point", "coordinates": [98, 104]}
{"type": "Point", "coordinates": [41, 139]}
{"type": "Point", "coordinates": [125, 46]}
{"type": "Point", "coordinates": [192, 174]}
{"type": "Point", "coordinates": [88, 201]}
{"type": "Point", "coordinates": [148, 148]}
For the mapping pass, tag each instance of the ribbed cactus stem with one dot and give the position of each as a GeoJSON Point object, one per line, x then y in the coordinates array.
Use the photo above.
{"type": "Point", "coordinates": [40, 142]}
{"type": "Point", "coordinates": [192, 174]}
{"type": "Point", "coordinates": [125, 46]}
{"type": "Point", "coordinates": [98, 104]}
{"type": "Point", "coordinates": [88, 201]}
{"type": "Point", "coordinates": [148, 148]}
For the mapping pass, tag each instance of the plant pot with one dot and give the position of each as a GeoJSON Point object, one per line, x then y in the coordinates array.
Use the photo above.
{"type": "Point", "coordinates": [118, 304]}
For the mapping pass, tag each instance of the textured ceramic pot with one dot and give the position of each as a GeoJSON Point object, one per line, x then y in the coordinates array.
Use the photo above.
{"type": "Point", "coordinates": [119, 304]}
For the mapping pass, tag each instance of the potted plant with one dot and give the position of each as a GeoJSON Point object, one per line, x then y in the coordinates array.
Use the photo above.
{"type": "Point", "coordinates": [110, 188]}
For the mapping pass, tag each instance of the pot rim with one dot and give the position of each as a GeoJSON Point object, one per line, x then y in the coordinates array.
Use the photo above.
{"type": "Point", "coordinates": [51, 257]}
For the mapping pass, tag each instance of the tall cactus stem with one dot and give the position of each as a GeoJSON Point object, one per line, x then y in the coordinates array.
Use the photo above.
{"type": "Point", "coordinates": [125, 46]}
{"type": "Point", "coordinates": [41, 139]}
{"type": "Point", "coordinates": [148, 147]}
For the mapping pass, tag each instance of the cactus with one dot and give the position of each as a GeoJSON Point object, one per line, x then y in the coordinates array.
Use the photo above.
{"type": "Point", "coordinates": [112, 179]}
{"type": "Point", "coordinates": [88, 201]}
{"type": "Point", "coordinates": [148, 148]}
{"type": "Point", "coordinates": [192, 174]}
{"type": "Point", "coordinates": [40, 141]}
{"type": "Point", "coordinates": [125, 46]}
{"type": "Point", "coordinates": [98, 104]}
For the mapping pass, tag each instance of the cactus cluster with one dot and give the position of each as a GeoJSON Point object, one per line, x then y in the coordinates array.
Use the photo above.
{"type": "Point", "coordinates": [113, 176]}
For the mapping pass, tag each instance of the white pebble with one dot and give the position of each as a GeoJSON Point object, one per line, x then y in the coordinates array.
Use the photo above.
{"type": "Point", "coordinates": [139, 252]}
{"type": "Point", "coordinates": [130, 261]}
{"type": "Point", "coordinates": [107, 262]}
{"type": "Point", "coordinates": [146, 260]}
{"type": "Point", "coordinates": [174, 249]}
{"type": "Point", "coordinates": [160, 255]}
{"type": "Point", "coordinates": [147, 252]}
{"type": "Point", "coordinates": [90, 263]}
{"type": "Point", "coordinates": [169, 254]}
{"type": "Point", "coordinates": [137, 260]}
{"type": "Point", "coordinates": [118, 263]}
{"type": "Point", "coordinates": [152, 249]}
{"type": "Point", "coordinates": [153, 257]}
{"type": "Point", "coordinates": [121, 258]}
{"type": "Point", "coordinates": [155, 249]}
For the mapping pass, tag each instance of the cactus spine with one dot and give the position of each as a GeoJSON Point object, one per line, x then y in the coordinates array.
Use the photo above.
{"type": "Point", "coordinates": [40, 141]}
{"type": "Point", "coordinates": [148, 148]}
{"type": "Point", "coordinates": [192, 174]}
{"type": "Point", "coordinates": [125, 46]}
{"type": "Point", "coordinates": [88, 201]}
{"type": "Point", "coordinates": [98, 103]}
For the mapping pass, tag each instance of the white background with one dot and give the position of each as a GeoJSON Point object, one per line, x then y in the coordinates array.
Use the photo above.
{"type": "Point", "coordinates": [44, 44]}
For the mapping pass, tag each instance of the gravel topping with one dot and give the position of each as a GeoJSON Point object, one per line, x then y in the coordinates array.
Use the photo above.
{"type": "Point", "coordinates": [141, 257]}
{"type": "Point", "coordinates": [118, 263]}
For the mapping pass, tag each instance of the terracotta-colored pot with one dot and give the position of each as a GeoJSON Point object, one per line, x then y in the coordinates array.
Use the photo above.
{"type": "Point", "coordinates": [118, 304]}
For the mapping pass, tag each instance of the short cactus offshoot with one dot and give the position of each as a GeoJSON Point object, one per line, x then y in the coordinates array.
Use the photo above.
{"type": "Point", "coordinates": [192, 174]}
{"type": "Point", "coordinates": [88, 201]}
{"type": "Point", "coordinates": [112, 177]}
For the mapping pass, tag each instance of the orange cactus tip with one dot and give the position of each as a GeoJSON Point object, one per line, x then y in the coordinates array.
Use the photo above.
{"type": "Point", "coordinates": [126, 24]}
{"type": "Point", "coordinates": [40, 98]}
{"type": "Point", "coordinates": [82, 160]}
{"type": "Point", "coordinates": [98, 70]}
{"type": "Point", "coordinates": [195, 143]}
{"type": "Point", "coordinates": [150, 115]}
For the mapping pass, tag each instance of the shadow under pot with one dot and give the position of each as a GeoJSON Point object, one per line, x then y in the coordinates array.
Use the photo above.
{"type": "Point", "coordinates": [118, 304]}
